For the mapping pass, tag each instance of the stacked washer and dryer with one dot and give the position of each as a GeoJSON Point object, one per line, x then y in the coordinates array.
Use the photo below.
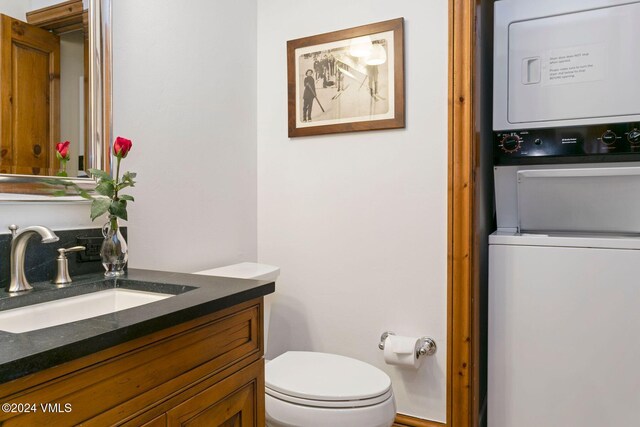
{"type": "Point", "coordinates": [564, 282]}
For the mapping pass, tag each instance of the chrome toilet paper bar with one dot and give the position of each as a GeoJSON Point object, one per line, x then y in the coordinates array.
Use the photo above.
{"type": "Point", "coordinates": [425, 346]}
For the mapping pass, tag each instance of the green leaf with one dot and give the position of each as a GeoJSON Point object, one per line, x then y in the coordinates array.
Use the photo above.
{"type": "Point", "coordinates": [119, 209]}
{"type": "Point", "coordinates": [100, 174]}
{"type": "Point", "coordinates": [84, 194]}
{"type": "Point", "coordinates": [127, 197]}
{"type": "Point", "coordinates": [56, 182]}
{"type": "Point", "coordinates": [122, 185]}
{"type": "Point", "coordinates": [70, 188]}
{"type": "Point", "coordinates": [127, 179]}
{"type": "Point", "coordinates": [105, 188]}
{"type": "Point", "coordinates": [99, 207]}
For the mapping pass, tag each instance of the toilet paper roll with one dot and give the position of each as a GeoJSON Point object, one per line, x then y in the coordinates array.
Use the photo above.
{"type": "Point", "coordinates": [401, 351]}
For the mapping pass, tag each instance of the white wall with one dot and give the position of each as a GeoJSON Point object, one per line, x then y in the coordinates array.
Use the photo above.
{"type": "Point", "coordinates": [358, 222]}
{"type": "Point", "coordinates": [71, 106]}
{"type": "Point", "coordinates": [184, 92]}
{"type": "Point", "coordinates": [15, 8]}
{"type": "Point", "coordinates": [39, 4]}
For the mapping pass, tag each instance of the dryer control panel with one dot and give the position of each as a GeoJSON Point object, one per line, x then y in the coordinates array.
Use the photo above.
{"type": "Point", "coordinates": [579, 144]}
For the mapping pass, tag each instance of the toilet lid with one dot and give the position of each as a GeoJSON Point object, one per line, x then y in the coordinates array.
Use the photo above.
{"type": "Point", "coordinates": [244, 270]}
{"type": "Point", "coordinates": [325, 378]}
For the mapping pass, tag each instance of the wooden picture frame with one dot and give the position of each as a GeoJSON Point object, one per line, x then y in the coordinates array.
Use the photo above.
{"type": "Point", "coordinates": [358, 80]}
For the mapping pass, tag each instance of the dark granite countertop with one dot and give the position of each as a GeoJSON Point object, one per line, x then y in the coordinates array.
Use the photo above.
{"type": "Point", "coordinates": [195, 295]}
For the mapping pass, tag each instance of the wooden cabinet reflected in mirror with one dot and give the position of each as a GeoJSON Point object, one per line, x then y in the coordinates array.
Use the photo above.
{"type": "Point", "coordinates": [44, 93]}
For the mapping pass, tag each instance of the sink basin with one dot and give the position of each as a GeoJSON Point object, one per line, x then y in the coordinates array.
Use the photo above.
{"type": "Point", "coordinates": [71, 309]}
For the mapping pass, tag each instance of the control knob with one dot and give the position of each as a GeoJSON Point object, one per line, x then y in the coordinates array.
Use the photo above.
{"type": "Point", "coordinates": [609, 137]}
{"type": "Point", "coordinates": [511, 143]}
{"type": "Point", "coordinates": [634, 136]}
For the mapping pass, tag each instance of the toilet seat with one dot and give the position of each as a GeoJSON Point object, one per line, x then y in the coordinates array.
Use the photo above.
{"type": "Point", "coordinates": [325, 380]}
{"type": "Point", "coordinates": [329, 403]}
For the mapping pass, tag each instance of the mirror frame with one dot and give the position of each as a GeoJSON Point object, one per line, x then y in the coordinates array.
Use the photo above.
{"type": "Point", "coordinates": [30, 188]}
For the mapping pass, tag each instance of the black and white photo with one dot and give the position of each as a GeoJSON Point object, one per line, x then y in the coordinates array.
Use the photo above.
{"type": "Point", "coordinates": [346, 81]}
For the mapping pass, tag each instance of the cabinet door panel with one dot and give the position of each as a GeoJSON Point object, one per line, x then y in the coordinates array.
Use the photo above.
{"type": "Point", "coordinates": [237, 401]}
{"type": "Point", "coordinates": [160, 421]}
{"type": "Point", "coordinates": [29, 98]}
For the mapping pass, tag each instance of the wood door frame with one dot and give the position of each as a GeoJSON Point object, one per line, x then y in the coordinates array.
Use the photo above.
{"type": "Point", "coordinates": [463, 313]}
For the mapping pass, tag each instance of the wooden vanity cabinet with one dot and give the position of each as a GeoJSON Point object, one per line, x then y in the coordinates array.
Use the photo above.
{"type": "Point", "coordinates": [208, 371]}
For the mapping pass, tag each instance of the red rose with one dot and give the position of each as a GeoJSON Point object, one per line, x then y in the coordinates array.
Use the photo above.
{"type": "Point", "coordinates": [63, 149]}
{"type": "Point", "coordinates": [121, 147]}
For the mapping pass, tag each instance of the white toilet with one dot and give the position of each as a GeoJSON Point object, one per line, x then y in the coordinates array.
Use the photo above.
{"type": "Point", "coordinates": [311, 389]}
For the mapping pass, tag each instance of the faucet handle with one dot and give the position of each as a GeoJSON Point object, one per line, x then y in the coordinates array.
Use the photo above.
{"type": "Point", "coordinates": [14, 230]}
{"type": "Point", "coordinates": [63, 277]}
{"type": "Point", "coordinates": [64, 251]}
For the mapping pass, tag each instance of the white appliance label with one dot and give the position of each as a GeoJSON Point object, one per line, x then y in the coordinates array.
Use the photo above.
{"type": "Point", "coordinates": [575, 65]}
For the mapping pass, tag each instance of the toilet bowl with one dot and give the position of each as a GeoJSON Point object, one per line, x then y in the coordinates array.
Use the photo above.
{"type": "Point", "coordinates": [312, 389]}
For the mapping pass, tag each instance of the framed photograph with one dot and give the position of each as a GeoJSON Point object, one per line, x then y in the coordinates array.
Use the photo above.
{"type": "Point", "coordinates": [348, 80]}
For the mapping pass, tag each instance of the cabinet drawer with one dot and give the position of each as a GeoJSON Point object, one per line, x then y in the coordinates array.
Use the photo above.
{"type": "Point", "coordinates": [236, 401]}
{"type": "Point", "coordinates": [145, 376]}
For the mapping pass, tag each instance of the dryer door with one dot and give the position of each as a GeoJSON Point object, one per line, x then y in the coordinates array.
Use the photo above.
{"type": "Point", "coordinates": [566, 68]}
{"type": "Point", "coordinates": [574, 66]}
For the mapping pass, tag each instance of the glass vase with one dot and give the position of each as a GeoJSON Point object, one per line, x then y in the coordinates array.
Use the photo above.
{"type": "Point", "coordinates": [114, 251]}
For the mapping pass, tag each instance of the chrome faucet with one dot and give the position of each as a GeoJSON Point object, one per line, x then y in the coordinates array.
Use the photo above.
{"type": "Point", "coordinates": [19, 281]}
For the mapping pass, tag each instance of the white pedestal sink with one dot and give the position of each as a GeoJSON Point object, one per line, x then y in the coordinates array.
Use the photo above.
{"type": "Point", "coordinates": [71, 309]}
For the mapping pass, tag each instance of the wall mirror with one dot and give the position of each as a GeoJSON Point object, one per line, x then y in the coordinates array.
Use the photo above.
{"type": "Point", "coordinates": [55, 85]}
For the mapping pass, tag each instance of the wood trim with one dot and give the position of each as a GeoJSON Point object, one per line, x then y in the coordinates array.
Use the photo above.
{"type": "Point", "coordinates": [462, 361]}
{"type": "Point", "coordinates": [59, 18]}
{"type": "Point", "coordinates": [106, 121]}
{"type": "Point", "coordinates": [407, 421]}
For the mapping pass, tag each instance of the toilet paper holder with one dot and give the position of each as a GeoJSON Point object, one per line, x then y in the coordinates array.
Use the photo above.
{"type": "Point", "coordinates": [425, 346]}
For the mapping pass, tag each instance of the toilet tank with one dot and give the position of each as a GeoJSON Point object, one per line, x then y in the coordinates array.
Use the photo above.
{"type": "Point", "coordinates": [245, 270]}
